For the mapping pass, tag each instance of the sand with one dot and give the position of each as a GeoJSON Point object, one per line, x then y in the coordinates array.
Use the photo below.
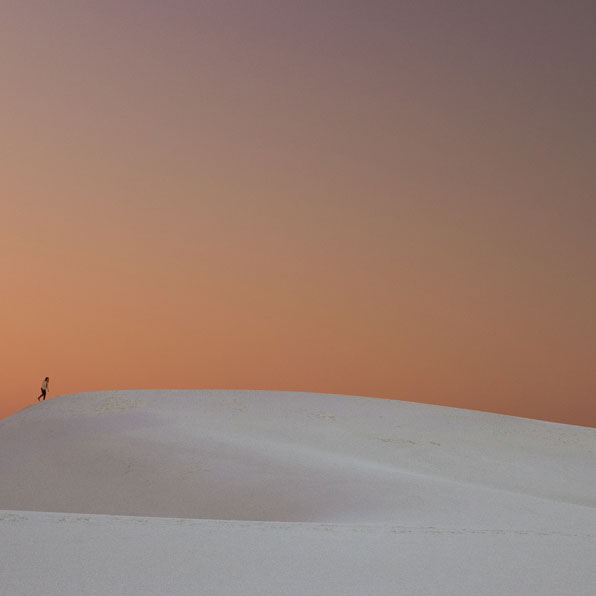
{"type": "Point", "coordinates": [272, 493]}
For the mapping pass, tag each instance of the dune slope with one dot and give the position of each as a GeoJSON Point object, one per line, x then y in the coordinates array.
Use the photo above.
{"type": "Point", "coordinates": [400, 493]}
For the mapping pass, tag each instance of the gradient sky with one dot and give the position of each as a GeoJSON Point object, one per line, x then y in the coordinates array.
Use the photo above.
{"type": "Point", "coordinates": [382, 198]}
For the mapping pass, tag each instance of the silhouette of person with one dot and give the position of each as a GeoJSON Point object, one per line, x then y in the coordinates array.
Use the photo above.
{"type": "Point", "coordinates": [44, 388]}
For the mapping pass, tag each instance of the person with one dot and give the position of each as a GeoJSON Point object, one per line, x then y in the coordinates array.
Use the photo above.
{"type": "Point", "coordinates": [44, 388]}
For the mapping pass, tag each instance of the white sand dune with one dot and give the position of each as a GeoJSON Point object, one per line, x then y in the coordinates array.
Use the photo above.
{"type": "Point", "coordinates": [255, 492]}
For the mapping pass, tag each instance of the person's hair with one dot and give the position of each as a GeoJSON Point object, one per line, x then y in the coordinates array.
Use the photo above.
{"type": "Point", "coordinates": [47, 379]}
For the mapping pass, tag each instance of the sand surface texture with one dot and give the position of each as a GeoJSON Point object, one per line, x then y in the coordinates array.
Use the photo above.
{"type": "Point", "coordinates": [274, 493]}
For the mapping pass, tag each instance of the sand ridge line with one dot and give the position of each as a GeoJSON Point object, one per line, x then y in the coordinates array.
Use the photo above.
{"type": "Point", "coordinates": [100, 519]}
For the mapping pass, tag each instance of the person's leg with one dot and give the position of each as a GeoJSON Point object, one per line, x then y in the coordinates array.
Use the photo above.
{"type": "Point", "coordinates": [44, 394]}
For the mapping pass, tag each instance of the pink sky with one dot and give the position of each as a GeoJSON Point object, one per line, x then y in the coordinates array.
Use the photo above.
{"type": "Point", "coordinates": [393, 201]}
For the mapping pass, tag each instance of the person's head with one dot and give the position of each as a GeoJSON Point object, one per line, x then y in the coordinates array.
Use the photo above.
{"type": "Point", "coordinates": [47, 378]}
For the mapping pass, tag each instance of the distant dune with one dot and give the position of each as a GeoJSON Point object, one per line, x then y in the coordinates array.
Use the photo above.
{"type": "Point", "coordinates": [256, 492]}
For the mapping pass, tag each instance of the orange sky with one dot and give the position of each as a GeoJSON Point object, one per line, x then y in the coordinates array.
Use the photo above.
{"type": "Point", "coordinates": [363, 199]}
